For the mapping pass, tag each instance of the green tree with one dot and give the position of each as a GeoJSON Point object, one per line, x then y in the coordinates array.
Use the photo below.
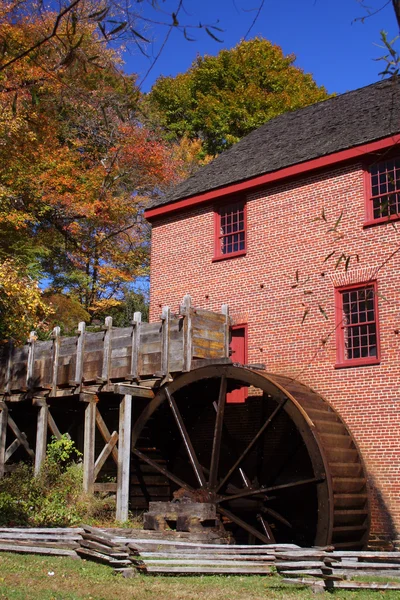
{"type": "Point", "coordinates": [222, 98]}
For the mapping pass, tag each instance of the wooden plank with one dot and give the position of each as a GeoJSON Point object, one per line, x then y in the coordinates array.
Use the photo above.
{"type": "Point", "coordinates": [211, 570]}
{"type": "Point", "coordinates": [89, 446]}
{"type": "Point", "coordinates": [187, 312]}
{"type": "Point", "coordinates": [206, 562]}
{"type": "Point", "coordinates": [56, 353]}
{"type": "Point", "coordinates": [101, 558]}
{"type": "Point", "coordinates": [37, 550]}
{"type": "Point", "coordinates": [41, 437]}
{"type": "Point", "coordinates": [165, 339]}
{"type": "Point", "coordinates": [31, 359]}
{"type": "Point", "coordinates": [105, 487]}
{"type": "Point", "coordinates": [105, 453]}
{"type": "Point", "coordinates": [105, 370]}
{"type": "Point", "coordinates": [209, 555]}
{"type": "Point", "coordinates": [106, 435]}
{"type": "Point", "coordinates": [52, 530]}
{"type": "Point", "coordinates": [133, 390]}
{"type": "Point", "coordinates": [124, 454]}
{"type": "Point", "coordinates": [10, 350]}
{"type": "Point", "coordinates": [3, 436]}
{"type": "Point", "coordinates": [227, 329]}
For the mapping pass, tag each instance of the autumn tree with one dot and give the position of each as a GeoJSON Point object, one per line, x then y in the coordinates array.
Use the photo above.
{"type": "Point", "coordinates": [76, 164]}
{"type": "Point", "coordinates": [222, 98]}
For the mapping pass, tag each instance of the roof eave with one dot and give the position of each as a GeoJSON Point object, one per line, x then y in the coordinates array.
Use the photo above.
{"type": "Point", "coordinates": [275, 176]}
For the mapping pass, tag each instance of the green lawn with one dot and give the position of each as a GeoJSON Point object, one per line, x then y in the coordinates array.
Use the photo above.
{"type": "Point", "coordinates": [24, 577]}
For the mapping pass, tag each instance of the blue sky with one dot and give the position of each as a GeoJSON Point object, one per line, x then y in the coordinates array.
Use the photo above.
{"type": "Point", "coordinates": [323, 34]}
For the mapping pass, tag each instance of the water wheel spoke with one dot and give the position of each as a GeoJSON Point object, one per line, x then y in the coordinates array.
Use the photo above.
{"type": "Point", "coordinates": [249, 528]}
{"type": "Point", "coordinates": [267, 529]}
{"type": "Point", "coordinates": [162, 470]}
{"type": "Point", "coordinates": [276, 515]}
{"type": "Point", "coordinates": [265, 490]}
{"type": "Point", "coordinates": [198, 471]}
{"type": "Point", "coordinates": [258, 435]}
{"type": "Point", "coordinates": [219, 421]}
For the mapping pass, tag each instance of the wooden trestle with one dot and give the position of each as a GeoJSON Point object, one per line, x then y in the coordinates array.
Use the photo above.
{"type": "Point", "coordinates": [108, 368]}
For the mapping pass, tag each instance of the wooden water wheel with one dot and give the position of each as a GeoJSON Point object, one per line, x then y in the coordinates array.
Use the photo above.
{"type": "Point", "coordinates": [280, 466]}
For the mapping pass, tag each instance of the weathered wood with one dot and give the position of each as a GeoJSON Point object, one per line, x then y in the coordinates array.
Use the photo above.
{"type": "Point", "coordinates": [186, 310]}
{"type": "Point", "coordinates": [3, 436]}
{"type": "Point", "coordinates": [21, 437]}
{"type": "Point", "coordinates": [108, 487]}
{"type": "Point", "coordinates": [105, 453]}
{"type": "Point", "coordinates": [211, 570]}
{"type": "Point", "coordinates": [133, 390]}
{"type": "Point", "coordinates": [105, 371]}
{"type": "Point", "coordinates": [89, 444]}
{"type": "Point", "coordinates": [136, 325]}
{"type": "Point", "coordinates": [80, 349]}
{"type": "Point", "coordinates": [56, 354]}
{"type": "Point", "coordinates": [105, 434]}
{"type": "Point", "coordinates": [165, 339]}
{"type": "Point", "coordinates": [41, 437]}
{"type": "Point", "coordinates": [124, 454]}
{"type": "Point", "coordinates": [101, 558]}
{"type": "Point", "coordinates": [11, 449]}
{"type": "Point", "coordinates": [227, 328]}
{"type": "Point", "coordinates": [52, 426]}
{"type": "Point", "coordinates": [31, 359]}
{"type": "Point", "coordinates": [210, 555]}
{"type": "Point", "coordinates": [37, 550]}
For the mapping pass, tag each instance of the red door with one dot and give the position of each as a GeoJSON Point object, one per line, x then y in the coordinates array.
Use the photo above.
{"type": "Point", "coordinates": [238, 355]}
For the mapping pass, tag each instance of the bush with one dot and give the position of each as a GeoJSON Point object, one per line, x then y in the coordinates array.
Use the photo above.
{"type": "Point", "coordinates": [56, 497]}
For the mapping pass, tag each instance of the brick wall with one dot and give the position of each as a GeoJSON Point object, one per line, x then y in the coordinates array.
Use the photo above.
{"type": "Point", "coordinates": [284, 237]}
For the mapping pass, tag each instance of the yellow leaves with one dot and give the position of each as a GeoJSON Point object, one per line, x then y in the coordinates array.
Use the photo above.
{"type": "Point", "coordinates": [22, 308]}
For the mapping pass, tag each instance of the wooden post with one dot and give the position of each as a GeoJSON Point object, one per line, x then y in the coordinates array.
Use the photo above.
{"type": "Point", "coordinates": [3, 436]}
{"type": "Point", "coordinates": [227, 329]}
{"type": "Point", "coordinates": [186, 311]}
{"type": "Point", "coordinates": [56, 353]}
{"type": "Point", "coordinates": [165, 334]}
{"type": "Point", "coordinates": [89, 442]}
{"type": "Point", "coordinates": [105, 372]}
{"type": "Point", "coordinates": [80, 346]}
{"type": "Point", "coordinates": [41, 435]}
{"type": "Point", "coordinates": [31, 359]}
{"type": "Point", "coordinates": [136, 324]}
{"type": "Point", "coordinates": [124, 456]}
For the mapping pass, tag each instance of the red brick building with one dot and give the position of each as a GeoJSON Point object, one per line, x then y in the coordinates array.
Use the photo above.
{"type": "Point", "coordinates": [296, 228]}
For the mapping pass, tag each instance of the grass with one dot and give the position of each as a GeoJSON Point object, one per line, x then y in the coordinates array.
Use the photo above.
{"type": "Point", "coordinates": [24, 577]}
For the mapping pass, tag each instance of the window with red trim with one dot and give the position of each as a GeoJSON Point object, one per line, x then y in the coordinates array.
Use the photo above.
{"type": "Point", "coordinates": [384, 190]}
{"type": "Point", "coordinates": [230, 230]}
{"type": "Point", "coordinates": [357, 325]}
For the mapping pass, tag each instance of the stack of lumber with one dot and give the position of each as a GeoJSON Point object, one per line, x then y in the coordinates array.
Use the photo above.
{"type": "Point", "coordinates": [99, 546]}
{"type": "Point", "coordinates": [189, 558]}
{"type": "Point", "coordinates": [335, 568]}
{"type": "Point", "coordinates": [57, 541]}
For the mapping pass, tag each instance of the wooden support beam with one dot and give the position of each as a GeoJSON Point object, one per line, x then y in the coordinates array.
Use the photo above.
{"type": "Point", "coordinates": [53, 427]}
{"type": "Point", "coordinates": [105, 453]}
{"type": "Point", "coordinates": [3, 436]}
{"type": "Point", "coordinates": [11, 449]}
{"type": "Point", "coordinates": [124, 456]}
{"type": "Point", "coordinates": [21, 437]}
{"type": "Point", "coordinates": [136, 324]}
{"type": "Point", "coordinates": [89, 443]}
{"type": "Point", "coordinates": [133, 390]}
{"type": "Point", "coordinates": [56, 353]}
{"type": "Point", "coordinates": [105, 434]}
{"type": "Point", "coordinates": [31, 359]}
{"type": "Point", "coordinates": [80, 349]}
{"type": "Point", "coordinates": [105, 371]}
{"type": "Point", "coordinates": [187, 311]}
{"type": "Point", "coordinates": [165, 338]}
{"type": "Point", "coordinates": [41, 437]}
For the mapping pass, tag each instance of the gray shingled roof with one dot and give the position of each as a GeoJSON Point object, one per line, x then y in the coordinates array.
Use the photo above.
{"type": "Point", "coordinates": [342, 122]}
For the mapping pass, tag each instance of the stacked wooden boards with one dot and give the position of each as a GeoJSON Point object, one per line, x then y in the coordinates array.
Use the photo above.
{"type": "Point", "coordinates": [127, 554]}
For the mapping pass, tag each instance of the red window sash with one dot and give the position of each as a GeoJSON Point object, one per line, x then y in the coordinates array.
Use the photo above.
{"type": "Point", "coordinates": [341, 360]}
{"type": "Point", "coordinates": [370, 219]}
{"type": "Point", "coordinates": [218, 255]}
